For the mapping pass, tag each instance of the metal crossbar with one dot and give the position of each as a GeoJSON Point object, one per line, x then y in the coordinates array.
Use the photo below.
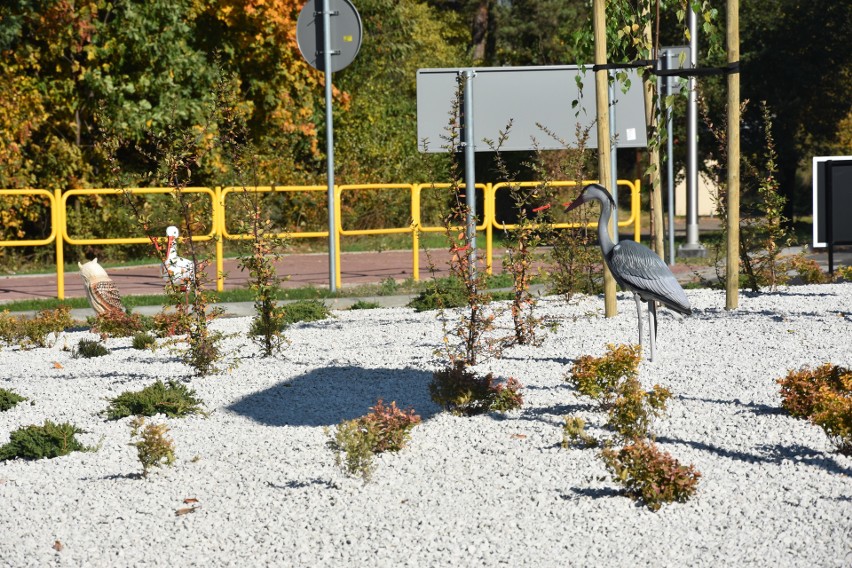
{"type": "Point", "coordinates": [57, 202]}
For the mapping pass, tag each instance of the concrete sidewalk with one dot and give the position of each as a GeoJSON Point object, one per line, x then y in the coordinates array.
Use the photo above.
{"type": "Point", "coordinates": [301, 270]}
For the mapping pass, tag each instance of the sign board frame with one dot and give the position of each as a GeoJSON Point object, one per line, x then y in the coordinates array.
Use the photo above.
{"type": "Point", "coordinates": [841, 200]}
{"type": "Point", "coordinates": [533, 98]}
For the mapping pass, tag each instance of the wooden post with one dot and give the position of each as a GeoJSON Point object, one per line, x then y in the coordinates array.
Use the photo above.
{"type": "Point", "coordinates": [733, 259]}
{"type": "Point", "coordinates": [653, 125]}
{"type": "Point", "coordinates": [604, 162]}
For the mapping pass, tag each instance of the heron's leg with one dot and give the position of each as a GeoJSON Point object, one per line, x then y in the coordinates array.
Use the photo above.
{"type": "Point", "coordinates": [639, 314]}
{"type": "Point", "coordinates": [652, 323]}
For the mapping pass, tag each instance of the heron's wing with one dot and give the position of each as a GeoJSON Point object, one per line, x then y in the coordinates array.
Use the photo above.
{"type": "Point", "coordinates": [639, 269]}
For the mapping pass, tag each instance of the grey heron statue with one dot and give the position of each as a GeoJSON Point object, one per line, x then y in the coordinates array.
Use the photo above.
{"type": "Point", "coordinates": [634, 266]}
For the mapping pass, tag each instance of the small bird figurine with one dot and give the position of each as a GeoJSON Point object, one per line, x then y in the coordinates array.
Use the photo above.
{"type": "Point", "coordinates": [100, 289]}
{"type": "Point", "coordinates": [634, 266]}
{"type": "Point", "coordinates": [176, 269]}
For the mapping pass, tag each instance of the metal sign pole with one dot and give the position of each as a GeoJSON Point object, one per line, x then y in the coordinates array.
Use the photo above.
{"type": "Point", "coordinates": [329, 129]}
{"type": "Point", "coordinates": [670, 164]}
{"type": "Point", "coordinates": [469, 165]}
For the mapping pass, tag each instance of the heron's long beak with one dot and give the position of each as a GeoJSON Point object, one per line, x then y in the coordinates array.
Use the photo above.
{"type": "Point", "coordinates": [171, 242]}
{"type": "Point", "coordinates": [576, 203]}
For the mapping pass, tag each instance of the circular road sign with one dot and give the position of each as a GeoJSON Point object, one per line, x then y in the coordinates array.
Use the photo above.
{"type": "Point", "coordinates": [345, 33]}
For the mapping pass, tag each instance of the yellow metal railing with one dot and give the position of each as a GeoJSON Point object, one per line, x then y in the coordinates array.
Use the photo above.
{"type": "Point", "coordinates": [218, 221]}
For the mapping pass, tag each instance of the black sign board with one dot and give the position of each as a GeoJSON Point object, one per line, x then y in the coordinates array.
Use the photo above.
{"type": "Point", "coordinates": [832, 203]}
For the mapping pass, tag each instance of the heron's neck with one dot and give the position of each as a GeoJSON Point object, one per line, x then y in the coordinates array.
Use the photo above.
{"type": "Point", "coordinates": [604, 237]}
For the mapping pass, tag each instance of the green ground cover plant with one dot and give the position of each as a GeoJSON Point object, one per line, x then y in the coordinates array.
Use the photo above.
{"type": "Point", "coordinates": [144, 340]}
{"type": "Point", "coordinates": [171, 398]}
{"type": "Point", "coordinates": [364, 305]}
{"type": "Point", "coordinates": [461, 391]}
{"type": "Point", "coordinates": [305, 310]}
{"type": "Point", "coordinates": [384, 429]}
{"type": "Point", "coordinates": [88, 348]}
{"type": "Point", "coordinates": [49, 440]}
{"type": "Point", "coordinates": [8, 399]}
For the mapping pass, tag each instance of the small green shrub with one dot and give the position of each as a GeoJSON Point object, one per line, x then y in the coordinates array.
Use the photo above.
{"type": "Point", "coordinates": [460, 391]}
{"type": "Point", "coordinates": [153, 447]}
{"type": "Point", "coordinates": [353, 446]}
{"type": "Point", "coordinates": [364, 305]}
{"type": "Point", "coordinates": [634, 409]}
{"type": "Point", "coordinates": [649, 474]}
{"type": "Point", "coordinates": [384, 429]}
{"type": "Point", "coordinates": [599, 377]}
{"type": "Point", "coordinates": [574, 434]}
{"type": "Point", "coordinates": [440, 293]}
{"type": "Point", "coordinates": [305, 310]}
{"type": "Point", "coordinates": [47, 441]}
{"type": "Point", "coordinates": [843, 273]}
{"type": "Point", "coordinates": [144, 340]}
{"type": "Point", "coordinates": [8, 399]}
{"type": "Point", "coordinates": [823, 396]}
{"type": "Point", "coordinates": [172, 399]}
{"type": "Point", "coordinates": [88, 348]}
{"type": "Point", "coordinates": [116, 323]}
{"type": "Point", "coordinates": [33, 332]}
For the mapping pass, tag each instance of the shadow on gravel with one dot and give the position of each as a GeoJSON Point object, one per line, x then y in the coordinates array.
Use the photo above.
{"type": "Point", "coordinates": [594, 493]}
{"type": "Point", "coordinates": [771, 454]}
{"type": "Point", "coordinates": [325, 397]}
{"type": "Point", "coordinates": [758, 409]}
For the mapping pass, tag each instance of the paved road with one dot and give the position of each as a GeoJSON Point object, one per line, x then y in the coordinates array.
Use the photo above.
{"type": "Point", "coordinates": [301, 270]}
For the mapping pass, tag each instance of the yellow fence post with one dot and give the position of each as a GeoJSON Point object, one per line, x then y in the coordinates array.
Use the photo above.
{"type": "Point", "coordinates": [58, 219]}
{"type": "Point", "coordinates": [415, 231]}
{"type": "Point", "coordinates": [490, 213]}
{"type": "Point", "coordinates": [636, 206]}
{"type": "Point", "coordinates": [218, 234]}
{"type": "Point", "coordinates": [338, 225]}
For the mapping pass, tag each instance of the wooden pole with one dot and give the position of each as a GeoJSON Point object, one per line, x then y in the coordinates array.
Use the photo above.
{"type": "Point", "coordinates": [653, 125]}
{"type": "Point", "coordinates": [604, 161]}
{"type": "Point", "coordinates": [733, 259]}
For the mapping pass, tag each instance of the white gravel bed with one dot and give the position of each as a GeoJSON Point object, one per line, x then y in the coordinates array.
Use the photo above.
{"type": "Point", "coordinates": [492, 490]}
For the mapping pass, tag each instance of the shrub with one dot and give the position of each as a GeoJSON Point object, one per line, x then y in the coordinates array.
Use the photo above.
{"type": "Point", "coordinates": [172, 399]}
{"type": "Point", "coordinates": [33, 332]}
{"type": "Point", "coordinates": [88, 348]}
{"type": "Point", "coordinates": [440, 293]}
{"type": "Point", "coordinates": [8, 399]}
{"type": "Point", "coordinates": [844, 273]}
{"type": "Point", "coordinates": [116, 323]}
{"type": "Point", "coordinates": [800, 389]}
{"type": "Point", "coordinates": [355, 442]}
{"type": "Point", "coordinates": [144, 341]}
{"type": "Point", "coordinates": [823, 396]}
{"type": "Point", "coordinates": [650, 474]}
{"type": "Point", "coordinates": [633, 410]}
{"type": "Point", "coordinates": [47, 441]}
{"type": "Point", "coordinates": [385, 429]}
{"type": "Point", "coordinates": [364, 305]}
{"type": "Point", "coordinates": [833, 413]}
{"type": "Point", "coordinates": [305, 310]}
{"type": "Point", "coordinates": [460, 391]}
{"type": "Point", "coordinates": [153, 448]}
{"type": "Point", "coordinates": [599, 377]}
{"type": "Point", "coordinates": [807, 269]}
{"type": "Point", "coordinates": [574, 434]}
